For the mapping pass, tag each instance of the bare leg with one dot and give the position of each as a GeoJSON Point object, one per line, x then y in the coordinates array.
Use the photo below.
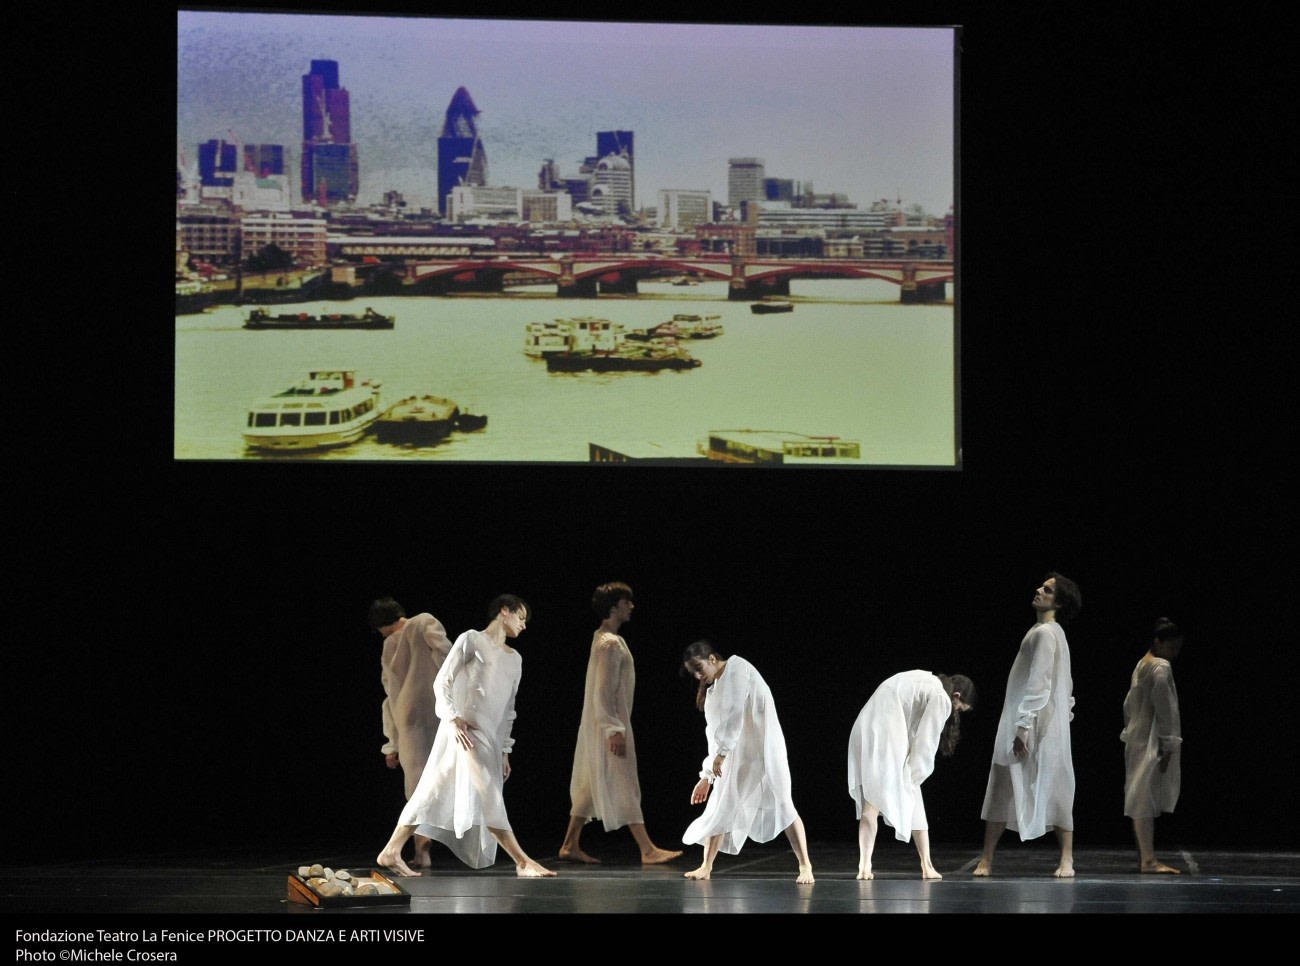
{"type": "Point", "coordinates": [571, 850]}
{"type": "Point", "coordinates": [651, 854]}
{"type": "Point", "coordinates": [992, 832]}
{"type": "Point", "coordinates": [524, 866]}
{"type": "Point", "coordinates": [1066, 869]}
{"type": "Point", "coordinates": [391, 855]}
{"type": "Point", "coordinates": [421, 858]}
{"type": "Point", "coordinates": [710, 853]}
{"type": "Point", "coordinates": [867, 840]}
{"type": "Point", "coordinates": [799, 843]}
{"type": "Point", "coordinates": [1144, 830]}
{"type": "Point", "coordinates": [922, 839]}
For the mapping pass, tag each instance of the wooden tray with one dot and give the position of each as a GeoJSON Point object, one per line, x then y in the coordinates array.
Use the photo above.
{"type": "Point", "coordinates": [300, 891]}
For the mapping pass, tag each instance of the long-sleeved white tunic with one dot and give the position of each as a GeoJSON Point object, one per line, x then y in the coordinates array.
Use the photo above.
{"type": "Point", "coordinates": [751, 800]}
{"type": "Point", "coordinates": [1151, 726]}
{"type": "Point", "coordinates": [603, 785]}
{"type": "Point", "coordinates": [408, 666]}
{"type": "Point", "coordinates": [892, 748]}
{"type": "Point", "coordinates": [459, 797]}
{"type": "Point", "coordinates": [1035, 793]}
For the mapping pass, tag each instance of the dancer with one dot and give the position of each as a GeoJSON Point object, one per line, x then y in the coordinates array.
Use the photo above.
{"type": "Point", "coordinates": [604, 783]}
{"type": "Point", "coordinates": [1031, 779]}
{"type": "Point", "coordinates": [746, 769]}
{"type": "Point", "coordinates": [1152, 738]}
{"type": "Point", "coordinates": [459, 798]}
{"type": "Point", "coordinates": [414, 649]}
{"type": "Point", "coordinates": [891, 752]}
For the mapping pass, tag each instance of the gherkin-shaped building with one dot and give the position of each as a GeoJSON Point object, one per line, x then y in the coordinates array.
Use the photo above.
{"type": "Point", "coordinates": [461, 158]}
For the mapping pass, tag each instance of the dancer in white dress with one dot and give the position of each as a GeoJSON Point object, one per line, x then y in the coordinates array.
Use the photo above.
{"type": "Point", "coordinates": [746, 769]}
{"type": "Point", "coordinates": [414, 649]}
{"type": "Point", "coordinates": [604, 784]}
{"type": "Point", "coordinates": [459, 800]}
{"type": "Point", "coordinates": [1031, 780]}
{"type": "Point", "coordinates": [910, 717]}
{"type": "Point", "coordinates": [1152, 739]}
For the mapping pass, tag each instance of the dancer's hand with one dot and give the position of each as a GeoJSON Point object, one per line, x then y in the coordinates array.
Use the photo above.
{"type": "Point", "coordinates": [462, 733]}
{"type": "Point", "coordinates": [701, 791]}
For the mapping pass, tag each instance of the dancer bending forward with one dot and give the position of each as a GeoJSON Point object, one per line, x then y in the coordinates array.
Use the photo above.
{"type": "Point", "coordinates": [746, 777]}
{"type": "Point", "coordinates": [909, 718]}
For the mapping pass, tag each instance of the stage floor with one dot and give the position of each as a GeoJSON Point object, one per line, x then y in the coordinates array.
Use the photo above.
{"type": "Point", "coordinates": [759, 880]}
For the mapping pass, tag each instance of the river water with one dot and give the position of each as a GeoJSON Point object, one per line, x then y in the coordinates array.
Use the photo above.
{"type": "Point", "coordinates": [849, 361]}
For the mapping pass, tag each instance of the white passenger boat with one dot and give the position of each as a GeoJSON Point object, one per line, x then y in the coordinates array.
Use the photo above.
{"type": "Point", "coordinates": [582, 333]}
{"type": "Point", "coordinates": [328, 408]}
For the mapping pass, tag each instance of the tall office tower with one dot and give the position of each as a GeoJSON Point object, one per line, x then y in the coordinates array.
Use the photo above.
{"type": "Point", "coordinates": [620, 143]}
{"type": "Point", "coordinates": [611, 185]}
{"type": "Point", "coordinates": [744, 180]}
{"type": "Point", "coordinates": [461, 158]}
{"type": "Point", "coordinates": [330, 169]}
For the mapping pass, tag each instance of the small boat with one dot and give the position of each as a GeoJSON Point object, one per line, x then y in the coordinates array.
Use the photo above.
{"type": "Point", "coordinates": [648, 357]}
{"type": "Point", "coordinates": [771, 305]}
{"type": "Point", "coordinates": [770, 447]}
{"type": "Point", "coordinates": [470, 422]}
{"type": "Point", "coordinates": [417, 419]}
{"type": "Point", "coordinates": [329, 408]}
{"type": "Point", "coordinates": [260, 318]}
{"type": "Point", "coordinates": [193, 297]}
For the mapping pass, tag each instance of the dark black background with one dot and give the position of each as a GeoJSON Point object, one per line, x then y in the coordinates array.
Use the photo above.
{"type": "Point", "coordinates": [198, 672]}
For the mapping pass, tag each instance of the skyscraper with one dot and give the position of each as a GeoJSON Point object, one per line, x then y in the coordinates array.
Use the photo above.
{"type": "Point", "coordinates": [621, 144]}
{"type": "Point", "coordinates": [461, 158]}
{"type": "Point", "coordinates": [744, 180]}
{"type": "Point", "coordinates": [330, 168]}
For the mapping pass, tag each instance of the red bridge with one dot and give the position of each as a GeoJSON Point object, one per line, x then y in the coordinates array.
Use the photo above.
{"type": "Point", "coordinates": [586, 276]}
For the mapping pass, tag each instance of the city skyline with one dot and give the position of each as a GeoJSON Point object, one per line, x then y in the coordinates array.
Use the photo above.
{"type": "Point", "coordinates": [861, 111]}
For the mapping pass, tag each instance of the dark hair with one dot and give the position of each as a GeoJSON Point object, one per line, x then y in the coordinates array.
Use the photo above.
{"type": "Point", "coordinates": [1066, 597]}
{"type": "Point", "coordinates": [607, 596]}
{"type": "Point", "coordinates": [1166, 630]}
{"type": "Point", "coordinates": [951, 734]}
{"type": "Point", "coordinates": [511, 603]}
{"type": "Point", "coordinates": [385, 611]}
{"type": "Point", "coordinates": [700, 651]}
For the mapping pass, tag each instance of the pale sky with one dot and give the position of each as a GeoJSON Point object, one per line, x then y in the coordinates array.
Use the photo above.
{"type": "Point", "coordinates": [862, 111]}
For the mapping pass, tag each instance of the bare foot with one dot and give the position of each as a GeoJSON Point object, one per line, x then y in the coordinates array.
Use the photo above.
{"type": "Point", "coordinates": [658, 855]}
{"type": "Point", "coordinates": [393, 862]}
{"type": "Point", "coordinates": [576, 854]}
{"type": "Point", "coordinates": [930, 872]}
{"type": "Point", "coordinates": [703, 872]}
{"type": "Point", "coordinates": [1064, 871]}
{"type": "Point", "coordinates": [805, 875]}
{"type": "Point", "coordinates": [421, 860]}
{"type": "Point", "coordinates": [532, 870]}
{"type": "Point", "coordinates": [983, 867]}
{"type": "Point", "coordinates": [866, 874]}
{"type": "Point", "coordinates": [1155, 865]}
